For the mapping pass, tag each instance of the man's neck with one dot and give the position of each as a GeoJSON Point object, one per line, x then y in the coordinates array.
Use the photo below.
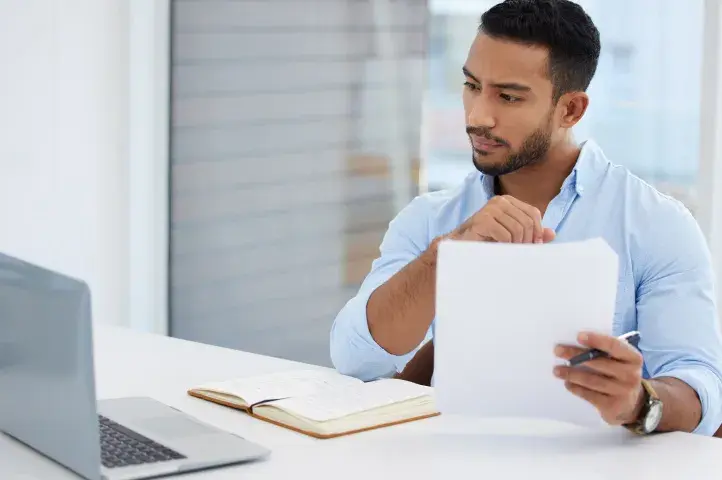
{"type": "Point", "coordinates": [539, 183]}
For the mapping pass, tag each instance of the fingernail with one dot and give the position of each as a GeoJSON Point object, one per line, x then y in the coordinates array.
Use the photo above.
{"type": "Point", "coordinates": [538, 240]}
{"type": "Point", "coordinates": [583, 338]}
{"type": "Point", "coordinates": [558, 372]}
{"type": "Point", "coordinates": [558, 351]}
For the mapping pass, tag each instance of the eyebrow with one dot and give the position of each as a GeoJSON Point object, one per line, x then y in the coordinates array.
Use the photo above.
{"type": "Point", "coordinates": [467, 73]}
{"type": "Point", "coordinates": [511, 86]}
{"type": "Point", "coordinates": [501, 86]}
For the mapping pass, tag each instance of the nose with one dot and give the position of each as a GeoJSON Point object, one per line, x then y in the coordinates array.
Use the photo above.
{"type": "Point", "coordinates": [480, 113]}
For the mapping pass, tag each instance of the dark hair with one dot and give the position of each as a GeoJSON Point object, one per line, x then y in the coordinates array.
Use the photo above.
{"type": "Point", "coordinates": [560, 25]}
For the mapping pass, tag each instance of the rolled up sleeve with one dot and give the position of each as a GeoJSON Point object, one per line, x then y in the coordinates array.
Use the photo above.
{"type": "Point", "coordinates": [706, 383]}
{"type": "Point", "coordinates": [354, 351]}
{"type": "Point", "coordinates": [677, 314]}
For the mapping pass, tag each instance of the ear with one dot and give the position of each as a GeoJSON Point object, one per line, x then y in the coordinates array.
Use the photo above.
{"type": "Point", "coordinates": [572, 107]}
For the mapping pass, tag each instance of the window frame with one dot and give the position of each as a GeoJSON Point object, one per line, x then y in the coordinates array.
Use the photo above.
{"type": "Point", "coordinates": [709, 177]}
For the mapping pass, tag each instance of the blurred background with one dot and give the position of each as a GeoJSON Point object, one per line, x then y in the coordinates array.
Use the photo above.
{"type": "Point", "coordinates": [295, 138]}
{"type": "Point", "coordinates": [224, 170]}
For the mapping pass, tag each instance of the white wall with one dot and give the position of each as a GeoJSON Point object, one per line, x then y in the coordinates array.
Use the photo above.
{"type": "Point", "coordinates": [63, 142]}
{"type": "Point", "coordinates": [710, 161]}
{"type": "Point", "coordinates": [149, 90]}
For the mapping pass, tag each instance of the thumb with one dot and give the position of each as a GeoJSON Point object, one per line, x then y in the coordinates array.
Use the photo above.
{"type": "Point", "coordinates": [548, 235]}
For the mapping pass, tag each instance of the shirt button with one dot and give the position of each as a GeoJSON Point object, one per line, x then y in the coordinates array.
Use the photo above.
{"type": "Point", "coordinates": [580, 188]}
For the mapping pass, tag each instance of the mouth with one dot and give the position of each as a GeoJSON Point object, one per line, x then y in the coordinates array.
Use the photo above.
{"type": "Point", "coordinates": [483, 144]}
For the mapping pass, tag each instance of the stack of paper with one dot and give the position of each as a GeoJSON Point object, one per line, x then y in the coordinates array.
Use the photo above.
{"type": "Point", "coordinates": [501, 309]}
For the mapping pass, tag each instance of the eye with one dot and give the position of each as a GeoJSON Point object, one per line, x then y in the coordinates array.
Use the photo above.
{"type": "Point", "coordinates": [509, 98]}
{"type": "Point", "coordinates": [471, 86]}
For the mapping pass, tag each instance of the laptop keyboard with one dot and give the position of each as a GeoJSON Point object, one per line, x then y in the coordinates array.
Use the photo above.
{"type": "Point", "coordinates": [122, 447]}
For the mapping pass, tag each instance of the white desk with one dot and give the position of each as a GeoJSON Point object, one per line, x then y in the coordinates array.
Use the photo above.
{"type": "Point", "coordinates": [444, 447]}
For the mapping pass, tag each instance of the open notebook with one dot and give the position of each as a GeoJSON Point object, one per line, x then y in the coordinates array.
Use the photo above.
{"type": "Point", "coordinates": [323, 404]}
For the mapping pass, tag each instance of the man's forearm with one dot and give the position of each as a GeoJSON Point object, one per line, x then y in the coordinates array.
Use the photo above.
{"type": "Point", "coordinates": [420, 369]}
{"type": "Point", "coordinates": [400, 311]}
{"type": "Point", "coordinates": [682, 410]}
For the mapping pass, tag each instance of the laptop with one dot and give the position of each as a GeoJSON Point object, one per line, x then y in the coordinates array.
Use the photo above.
{"type": "Point", "coordinates": [48, 398]}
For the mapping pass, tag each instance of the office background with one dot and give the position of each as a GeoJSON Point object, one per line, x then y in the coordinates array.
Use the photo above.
{"type": "Point", "coordinates": [223, 170]}
{"type": "Point", "coordinates": [285, 125]}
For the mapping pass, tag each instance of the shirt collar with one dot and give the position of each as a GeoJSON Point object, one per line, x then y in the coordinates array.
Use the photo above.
{"type": "Point", "coordinates": [487, 184]}
{"type": "Point", "coordinates": [590, 167]}
{"type": "Point", "coordinates": [585, 175]}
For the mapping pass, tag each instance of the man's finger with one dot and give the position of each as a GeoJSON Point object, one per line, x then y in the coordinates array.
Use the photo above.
{"type": "Point", "coordinates": [566, 352]}
{"type": "Point", "coordinates": [513, 226]}
{"type": "Point", "coordinates": [494, 231]}
{"type": "Point", "coordinates": [605, 366]}
{"type": "Point", "coordinates": [548, 235]}
{"type": "Point", "coordinates": [590, 380]}
{"type": "Point", "coordinates": [509, 207]}
{"type": "Point", "coordinates": [597, 399]}
{"type": "Point", "coordinates": [534, 214]}
{"type": "Point", "coordinates": [613, 346]}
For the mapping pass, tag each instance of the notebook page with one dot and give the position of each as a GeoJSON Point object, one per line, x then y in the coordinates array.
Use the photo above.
{"type": "Point", "coordinates": [357, 398]}
{"type": "Point", "coordinates": [501, 309]}
{"type": "Point", "coordinates": [281, 385]}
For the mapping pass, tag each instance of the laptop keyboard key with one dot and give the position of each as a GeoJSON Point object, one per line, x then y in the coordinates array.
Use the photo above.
{"type": "Point", "coordinates": [122, 447]}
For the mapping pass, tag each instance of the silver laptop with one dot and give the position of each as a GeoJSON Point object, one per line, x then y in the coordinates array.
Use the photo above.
{"type": "Point", "coordinates": [47, 391]}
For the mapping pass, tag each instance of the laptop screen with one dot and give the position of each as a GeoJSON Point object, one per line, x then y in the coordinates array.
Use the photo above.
{"type": "Point", "coordinates": [46, 368]}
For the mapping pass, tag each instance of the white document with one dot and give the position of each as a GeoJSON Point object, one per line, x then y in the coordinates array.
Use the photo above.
{"type": "Point", "coordinates": [501, 309]}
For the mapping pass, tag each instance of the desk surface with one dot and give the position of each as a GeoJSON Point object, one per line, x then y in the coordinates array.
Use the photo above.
{"type": "Point", "coordinates": [129, 363]}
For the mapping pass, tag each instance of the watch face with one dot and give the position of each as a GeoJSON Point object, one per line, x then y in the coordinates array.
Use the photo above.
{"type": "Point", "coordinates": [653, 417]}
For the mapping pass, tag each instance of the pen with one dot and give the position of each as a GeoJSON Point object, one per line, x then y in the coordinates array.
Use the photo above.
{"type": "Point", "coordinates": [631, 338]}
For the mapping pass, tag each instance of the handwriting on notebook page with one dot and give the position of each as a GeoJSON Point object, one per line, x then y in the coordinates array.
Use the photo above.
{"type": "Point", "coordinates": [282, 385]}
{"type": "Point", "coordinates": [356, 398]}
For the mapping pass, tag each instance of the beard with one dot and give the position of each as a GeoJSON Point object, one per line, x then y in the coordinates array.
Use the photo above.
{"type": "Point", "coordinates": [533, 150]}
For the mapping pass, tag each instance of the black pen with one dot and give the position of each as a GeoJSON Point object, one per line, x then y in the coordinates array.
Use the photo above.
{"type": "Point", "coordinates": [631, 338]}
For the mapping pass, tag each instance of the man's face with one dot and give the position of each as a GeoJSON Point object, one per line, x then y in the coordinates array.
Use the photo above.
{"type": "Point", "coordinates": [508, 104]}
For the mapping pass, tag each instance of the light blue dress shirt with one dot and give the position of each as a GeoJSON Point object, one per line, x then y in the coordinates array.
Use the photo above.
{"type": "Point", "coordinates": [665, 286]}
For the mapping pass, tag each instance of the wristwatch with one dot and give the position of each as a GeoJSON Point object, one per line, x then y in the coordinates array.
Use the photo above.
{"type": "Point", "coordinates": [651, 413]}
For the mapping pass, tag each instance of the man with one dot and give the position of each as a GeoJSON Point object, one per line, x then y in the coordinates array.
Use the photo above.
{"type": "Point", "coordinates": [525, 80]}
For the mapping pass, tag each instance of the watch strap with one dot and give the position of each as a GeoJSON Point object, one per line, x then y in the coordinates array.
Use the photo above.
{"type": "Point", "coordinates": [650, 396]}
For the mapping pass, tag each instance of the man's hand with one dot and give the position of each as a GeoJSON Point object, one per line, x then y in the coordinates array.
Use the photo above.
{"type": "Point", "coordinates": [613, 384]}
{"type": "Point", "coordinates": [507, 220]}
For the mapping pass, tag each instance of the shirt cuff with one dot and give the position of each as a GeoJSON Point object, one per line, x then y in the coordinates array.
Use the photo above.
{"type": "Point", "coordinates": [354, 351]}
{"type": "Point", "coordinates": [708, 386]}
{"type": "Point", "coordinates": [360, 325]}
